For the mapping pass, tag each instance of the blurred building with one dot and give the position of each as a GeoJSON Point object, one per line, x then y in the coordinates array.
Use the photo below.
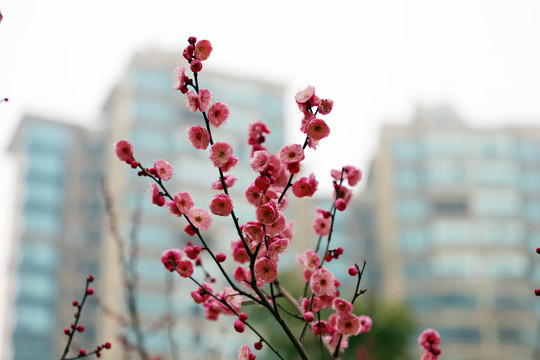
{"type": "Point", "coordinates": [57, 235]}
{"type": "Point", "coordinates": [453, 228]}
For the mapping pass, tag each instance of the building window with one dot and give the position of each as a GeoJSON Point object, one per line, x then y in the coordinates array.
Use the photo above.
{"type": "Point", "coordinates": [457, 207]}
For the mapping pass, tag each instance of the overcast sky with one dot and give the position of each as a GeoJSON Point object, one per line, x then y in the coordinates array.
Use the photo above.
{"type": "Point", "coordinates": [376, 59]}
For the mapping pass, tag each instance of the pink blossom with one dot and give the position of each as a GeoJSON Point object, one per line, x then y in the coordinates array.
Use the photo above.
{"type": "Point", "coordinates": [195, 66]}
{"type": "Point", "coordinates": [254, 231]}
{"type": "Point", "coordinates": [200, 218]}
{"type": "Point", "coordinates": [290, 154]}
{"type": "Point", "coordinates": [344, 193]}
{"type": "Point", "coordinates": [341, 204]}
{"type": "Point", "coordinates": [170, 258]}
{"type": "Point", "coordinates": [173, 209]}
{"type": "Point", "coordinates": [239, 252]}
{"type": "Point", "coordinates": [212, 309]}
{"type": "Point", "coordinates": [306, 186]}
{"type": "Point", "coordinates": [429, 356]}
{"type": "Point", "coordinates": [342, 306]}
{"type": "Point", "coordinates": [221, 205]}
{"type": "Point", "coordinates": [192, 101]}
{"type": "Point", "coordinates": [244, 353]}
{"type": "Point", "coordinates": [309, 259]}
{"type": "Point", "coordinates": [164, 170]}
{"type": "Point", "coordinates": [429, 338]}
{"type": "Point", "coordinates": [232, 298]}
{"type": "Point", "coordinates": [322, 282]}
{"type": "Point", "coordinates": [179, 74]}
{"type": "Point", "coordinates": [220, 153]}
{"type": "Point", "coordinates": [278, 247]}
{"type": "Point", "coordinates": [276, 227]}
{"type": "Point", "coordinates": [321, 226]}
{"type": "Point", "coordinates": [320, 327]}
{"type": "Point", "coordinates": [259, 161]}
{"type": "Point", "coordinates": [317, 129]}
{"type": "Point", "coordinates": [123, 149]}
{"type": "Point", "coordinates": [325, 106]}
{"type": "Point", "coordinates": [205, 96]}
{"type": "Point", "coordinates": [198, 137]}
{"type": "Point", "coordinates": [192, 251]}
{"type": "Point", "coordinates": [348, 324]}
{"type": "Point", "coordinates": [365, 322]}
{"type": "Point", "coordinates": [229, 182]}
{"type": "Point", "coordinates": [262, 182]}
{"type": "Point", "coordinates": [183, 201]}
{"type": "Point", "coordinates": [230, 164]}
{"type": "Point", "coordinates": [218, 114]}
{"type": "Point", "coordinates": [202, 50]}
{"type": "Point", "coordinates": [185, 268]}
{"type": "Point", "coordinates": [304, 95]}
{"type": "Point", "coordinates": [267, 213]}
{"type": "Point", "coordinates": [254, 196]}
{"type": "Point", "coordinates": [352, 174]}
{"type": "Point", "coordinates": [265, 270]}
{"type": "Point", "coordinates": [156, 196]}
{"type": "Point", "coordinates": [309, 317]}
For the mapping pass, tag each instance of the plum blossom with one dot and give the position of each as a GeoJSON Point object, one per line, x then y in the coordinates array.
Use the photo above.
{"type": "Point", "coordinates": [230, 164]}
{"type": "Point", "coordinates": [200, 218]}
{"type": "Point", "coordinates": [218, 114]}
{"type": "Point", "coordinates": [321, 226]}
{"type": "Point", "coordinates": [183, 201]}
{"type": "Point", "coordinates": [244, 353]}
{"type": "Point", "coordinates": [342, 306]}
{"type": "Point", "coordinates": [317, 129]}
{"type": "Point", "coordinates": [198, 137]}
{"type": "Point", "coordinates": [254, 195]}
{"type": "Point", "coordinates": [322, 282]}
{"type": "Point", "coordinates": [230, 180]}
{"type": "Point", "coordinates": [170, 258]}
{"type": "Point", "coordinates": [192, 101]}
{"type": "Point", "coordinates": [267, 213]}
{"type": "Point", "coordinates": [220, 153]}
{"type": "Point", "coordinates": [351, 173]}
{"type": "Point", "coordinates": [254, 231]}
{"type": "Point", "coordinates": [365, 323]}
{"type": "Point", "coordinates": [265, 270]}
{"type": "Point", "coordinates": [259, 161]}
{"type": "Point", "coordinates": [164, 170]}
{"type": "Point", "coordinates": [123, 149]}
{"type": "Point", "coordinates": [348, 324]}
{"type": "Point", "coordinates": [202, 50]}
{"type": "Point", "coordinates": [155, 194]}
{"type": "Point", "coordinates": [205, 96]}
{"type": "Point", "coordinates": [290, 154]}
{"type": "Point", "coordinates": [185, 268]}
{"type": "Point", "coordinates": [221, 205]}
{"type": "Point", "coordinates": [304, 95]}
{"type": "Point", "coordinates": [325, 106]}
{"type": "Point", "coordinates": [179, 75]}
{"type": "Point", "coordinates": [305, 186]}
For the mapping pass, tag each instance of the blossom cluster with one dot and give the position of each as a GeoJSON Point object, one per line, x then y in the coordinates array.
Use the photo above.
{"type": "Point", "coordinates": [264, 238]}
{"type": "Point", "coordinates": [430, 341]}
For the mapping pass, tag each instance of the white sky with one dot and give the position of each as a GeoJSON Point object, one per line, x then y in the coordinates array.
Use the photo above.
{"type": "Point", "coordinates": [376, 59]}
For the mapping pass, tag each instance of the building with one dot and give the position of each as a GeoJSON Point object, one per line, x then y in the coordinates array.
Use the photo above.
{"type": "Point", "coordinates": [454, 228]}
{"type": "Point", "coordinates": [57, 235]}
